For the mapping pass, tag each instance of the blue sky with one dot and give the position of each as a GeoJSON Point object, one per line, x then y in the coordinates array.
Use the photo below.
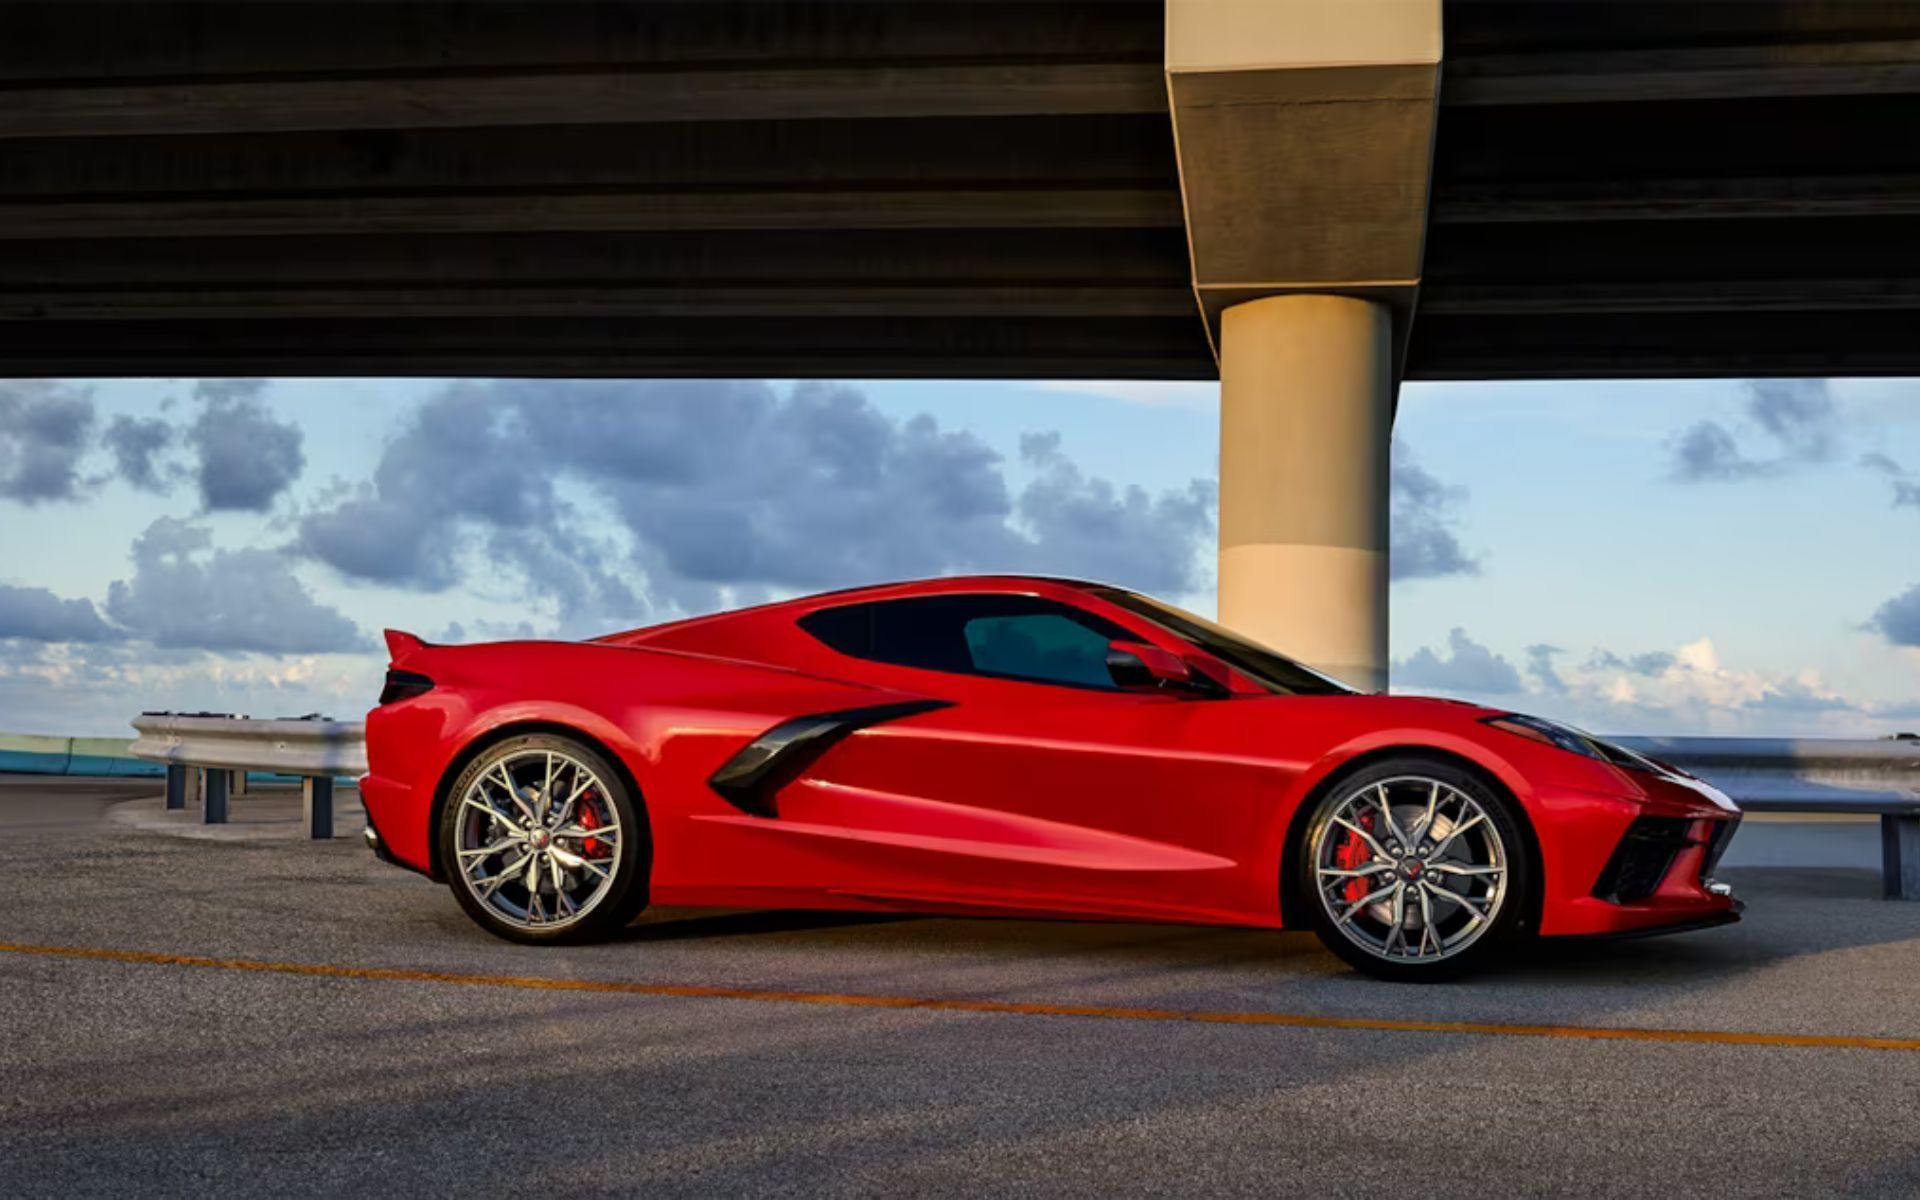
{"type": "Point", "coordinates": [1639, 557]}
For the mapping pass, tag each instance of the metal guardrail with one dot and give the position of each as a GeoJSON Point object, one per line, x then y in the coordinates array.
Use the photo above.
{"type": "Point", "coordinates": [210, 755]}
{"type": "Point", "coordinates": [291, 747]}
{"type": "Point", "coordinates": [1761, 774]}
{"type": "Point", "coordinates": [1819, 772]}
{"type": "Point", "coordinates": [1815, 775]}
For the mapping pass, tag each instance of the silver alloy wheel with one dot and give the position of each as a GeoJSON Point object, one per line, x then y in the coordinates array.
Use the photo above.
{"type": "Point", "coordinates": [538, 839]}
{"type": "Point", "coordinates": [1411, 869]}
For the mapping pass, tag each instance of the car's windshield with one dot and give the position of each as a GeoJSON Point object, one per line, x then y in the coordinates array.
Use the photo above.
{"type": "Point", "coordinates": [1273, 671]}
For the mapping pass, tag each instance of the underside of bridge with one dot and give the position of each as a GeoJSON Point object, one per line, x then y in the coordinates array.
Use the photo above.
{"type": "Point", "coordinates": [984, 188]}
{"type": "Point", "coordinates": [1309, 199]}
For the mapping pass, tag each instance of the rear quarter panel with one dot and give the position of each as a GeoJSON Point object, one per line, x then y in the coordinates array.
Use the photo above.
{"type": "Point", "coordinates": [669, 719]}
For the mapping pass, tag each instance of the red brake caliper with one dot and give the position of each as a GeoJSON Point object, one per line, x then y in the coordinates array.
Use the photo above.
{"type": "Point", "coordinates": [1350, 854]}
{"type": "Point", "coordinates": [589, 820]}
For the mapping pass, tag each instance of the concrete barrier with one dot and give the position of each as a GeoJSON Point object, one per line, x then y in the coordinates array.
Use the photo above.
{"type": "Point", "coordinates": [39, 754]}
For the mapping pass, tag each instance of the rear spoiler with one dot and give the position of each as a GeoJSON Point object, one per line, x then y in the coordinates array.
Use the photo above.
{"type": "Point", "coordinates": [402, 645]}
{"type": "Point", "coordinates": [403, 684]}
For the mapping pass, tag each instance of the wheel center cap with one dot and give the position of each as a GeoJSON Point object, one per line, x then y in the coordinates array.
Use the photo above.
{"type": "Point", "coordinates": [1411, 868]}
{"type": "Point", "coordinates": [539, 838]}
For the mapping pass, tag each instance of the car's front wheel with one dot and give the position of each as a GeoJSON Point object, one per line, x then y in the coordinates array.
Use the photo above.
{"type": "Point", "coordinates": [1414, 869]}
{"type": "Point", "coordinates": [542, 841]}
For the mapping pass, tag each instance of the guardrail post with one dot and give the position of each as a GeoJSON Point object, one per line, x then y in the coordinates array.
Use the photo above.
{"type": "Point", "coordinates": [316, 803]}
{"type": "Point", "coordinates": [176, 786]}
{"type": "Point", "coordinates": [1900, 856]}
{"type": "Point", "coordinates": [213, 809]}
{"type": "Point", "coordinates": [239, 783]}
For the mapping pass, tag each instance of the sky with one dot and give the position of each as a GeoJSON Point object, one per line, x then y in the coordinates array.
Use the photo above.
{"type": "Point", "coordinates": [1736, 557]}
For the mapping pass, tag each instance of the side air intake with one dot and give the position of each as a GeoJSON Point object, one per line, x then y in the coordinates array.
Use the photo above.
{"type": "Point", "coordinates": [754, 776]}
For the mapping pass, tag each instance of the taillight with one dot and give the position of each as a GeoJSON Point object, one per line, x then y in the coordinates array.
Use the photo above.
{"type": "Point", "coordinates": [404, 685]}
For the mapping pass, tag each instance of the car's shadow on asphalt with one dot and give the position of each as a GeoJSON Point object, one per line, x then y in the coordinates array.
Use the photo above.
{"type": "Point", "coordinates": [682, 924]}
{"type": "Point", "coordinates": [1776, 929]}
{"type": "Point", "coordinates": [1790, 916]}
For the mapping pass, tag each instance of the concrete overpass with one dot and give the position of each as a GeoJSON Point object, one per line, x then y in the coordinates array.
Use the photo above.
{"type": "Point", "coordinates": [1271, 191]}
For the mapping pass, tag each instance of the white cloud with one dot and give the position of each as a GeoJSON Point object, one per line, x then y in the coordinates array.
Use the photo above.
{"type": "Point", "coordinates": [1466, 666]}
{"type": "Point", "coordinates": [1686, 690]}
{"type": "Point", "coordinates": [98, 689]}
{"type": "Point", "coordinates": [1422, 530]}
{"type": "Point", "coordinates": [720, 492]}
{"type": "Point", "coordinates": [45, 427]}
{"type": "Point", "coordinates": [185, 594]}
{"type": "Point", "coordinates": [1797, 416]}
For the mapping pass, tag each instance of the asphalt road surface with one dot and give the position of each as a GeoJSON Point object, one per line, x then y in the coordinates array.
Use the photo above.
{"type": "Point", "coordinates": [191, 1017]}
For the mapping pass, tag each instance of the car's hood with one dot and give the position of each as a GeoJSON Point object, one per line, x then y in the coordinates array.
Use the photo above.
{"type": "Point", "coordinates": [1413, 709]}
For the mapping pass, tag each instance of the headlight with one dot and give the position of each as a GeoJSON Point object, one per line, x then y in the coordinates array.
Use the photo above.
{"type": "Point", "coordinates": [1551, 733]}
{"type": "Point", "coordinates": [1566, 737]}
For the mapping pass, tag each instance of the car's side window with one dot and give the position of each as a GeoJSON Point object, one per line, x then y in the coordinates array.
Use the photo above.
{"type": "Point", "coordinates": [1004, 636]}
{"type": "Point", "coordinates": [1044, 646]}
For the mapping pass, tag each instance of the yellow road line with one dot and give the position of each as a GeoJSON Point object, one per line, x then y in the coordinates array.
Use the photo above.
{"type": "Point", "coordinates": [1715, 1037]}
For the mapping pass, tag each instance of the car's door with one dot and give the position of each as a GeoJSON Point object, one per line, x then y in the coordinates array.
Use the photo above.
{"type": "Point", "coordinates": [1040, 786]}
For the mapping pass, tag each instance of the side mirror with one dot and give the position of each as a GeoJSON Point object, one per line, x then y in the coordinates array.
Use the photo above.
{"type": "Point", "coordinates": [1140, 666]}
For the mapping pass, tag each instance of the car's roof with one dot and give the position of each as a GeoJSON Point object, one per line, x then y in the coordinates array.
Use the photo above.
{"type": "Point", "coordinates": [951, 583]}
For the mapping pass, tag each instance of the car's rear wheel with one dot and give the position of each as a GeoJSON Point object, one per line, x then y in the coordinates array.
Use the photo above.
{"type": "Point", "coordinates": [542, 841]}
{"type": "Point", "coordinates": [1414, 869]}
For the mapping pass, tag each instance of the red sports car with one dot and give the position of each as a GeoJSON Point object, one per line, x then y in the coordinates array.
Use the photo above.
{"type": "Point", "coordinates": [1016, 746]}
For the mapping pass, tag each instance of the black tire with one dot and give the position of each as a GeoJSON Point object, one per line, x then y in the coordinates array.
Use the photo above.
{"type": "Point", "coordinates": [624, 896]}
{"type": "Point", "coordinates": [1510, 924]}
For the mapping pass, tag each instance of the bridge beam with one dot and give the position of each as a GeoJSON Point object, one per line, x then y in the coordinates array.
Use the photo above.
{"type": "Point", "coordinates": [179, 107]}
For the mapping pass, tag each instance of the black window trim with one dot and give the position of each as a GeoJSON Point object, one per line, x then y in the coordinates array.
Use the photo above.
{"type": "Point", "coordinates": [1104, 689]}
{"type": "Point", "coordinates": [1149, 611]}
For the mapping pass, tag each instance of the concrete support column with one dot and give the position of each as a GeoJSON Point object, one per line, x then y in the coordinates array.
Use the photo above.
{"type": "Point", "coordinates": [1304, 130]}
{"type": "Point", "coordinates": [1306, 412]}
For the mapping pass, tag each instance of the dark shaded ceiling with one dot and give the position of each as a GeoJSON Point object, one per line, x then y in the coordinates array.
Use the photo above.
{"type": "Point", "coordinates": [909, 189]}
